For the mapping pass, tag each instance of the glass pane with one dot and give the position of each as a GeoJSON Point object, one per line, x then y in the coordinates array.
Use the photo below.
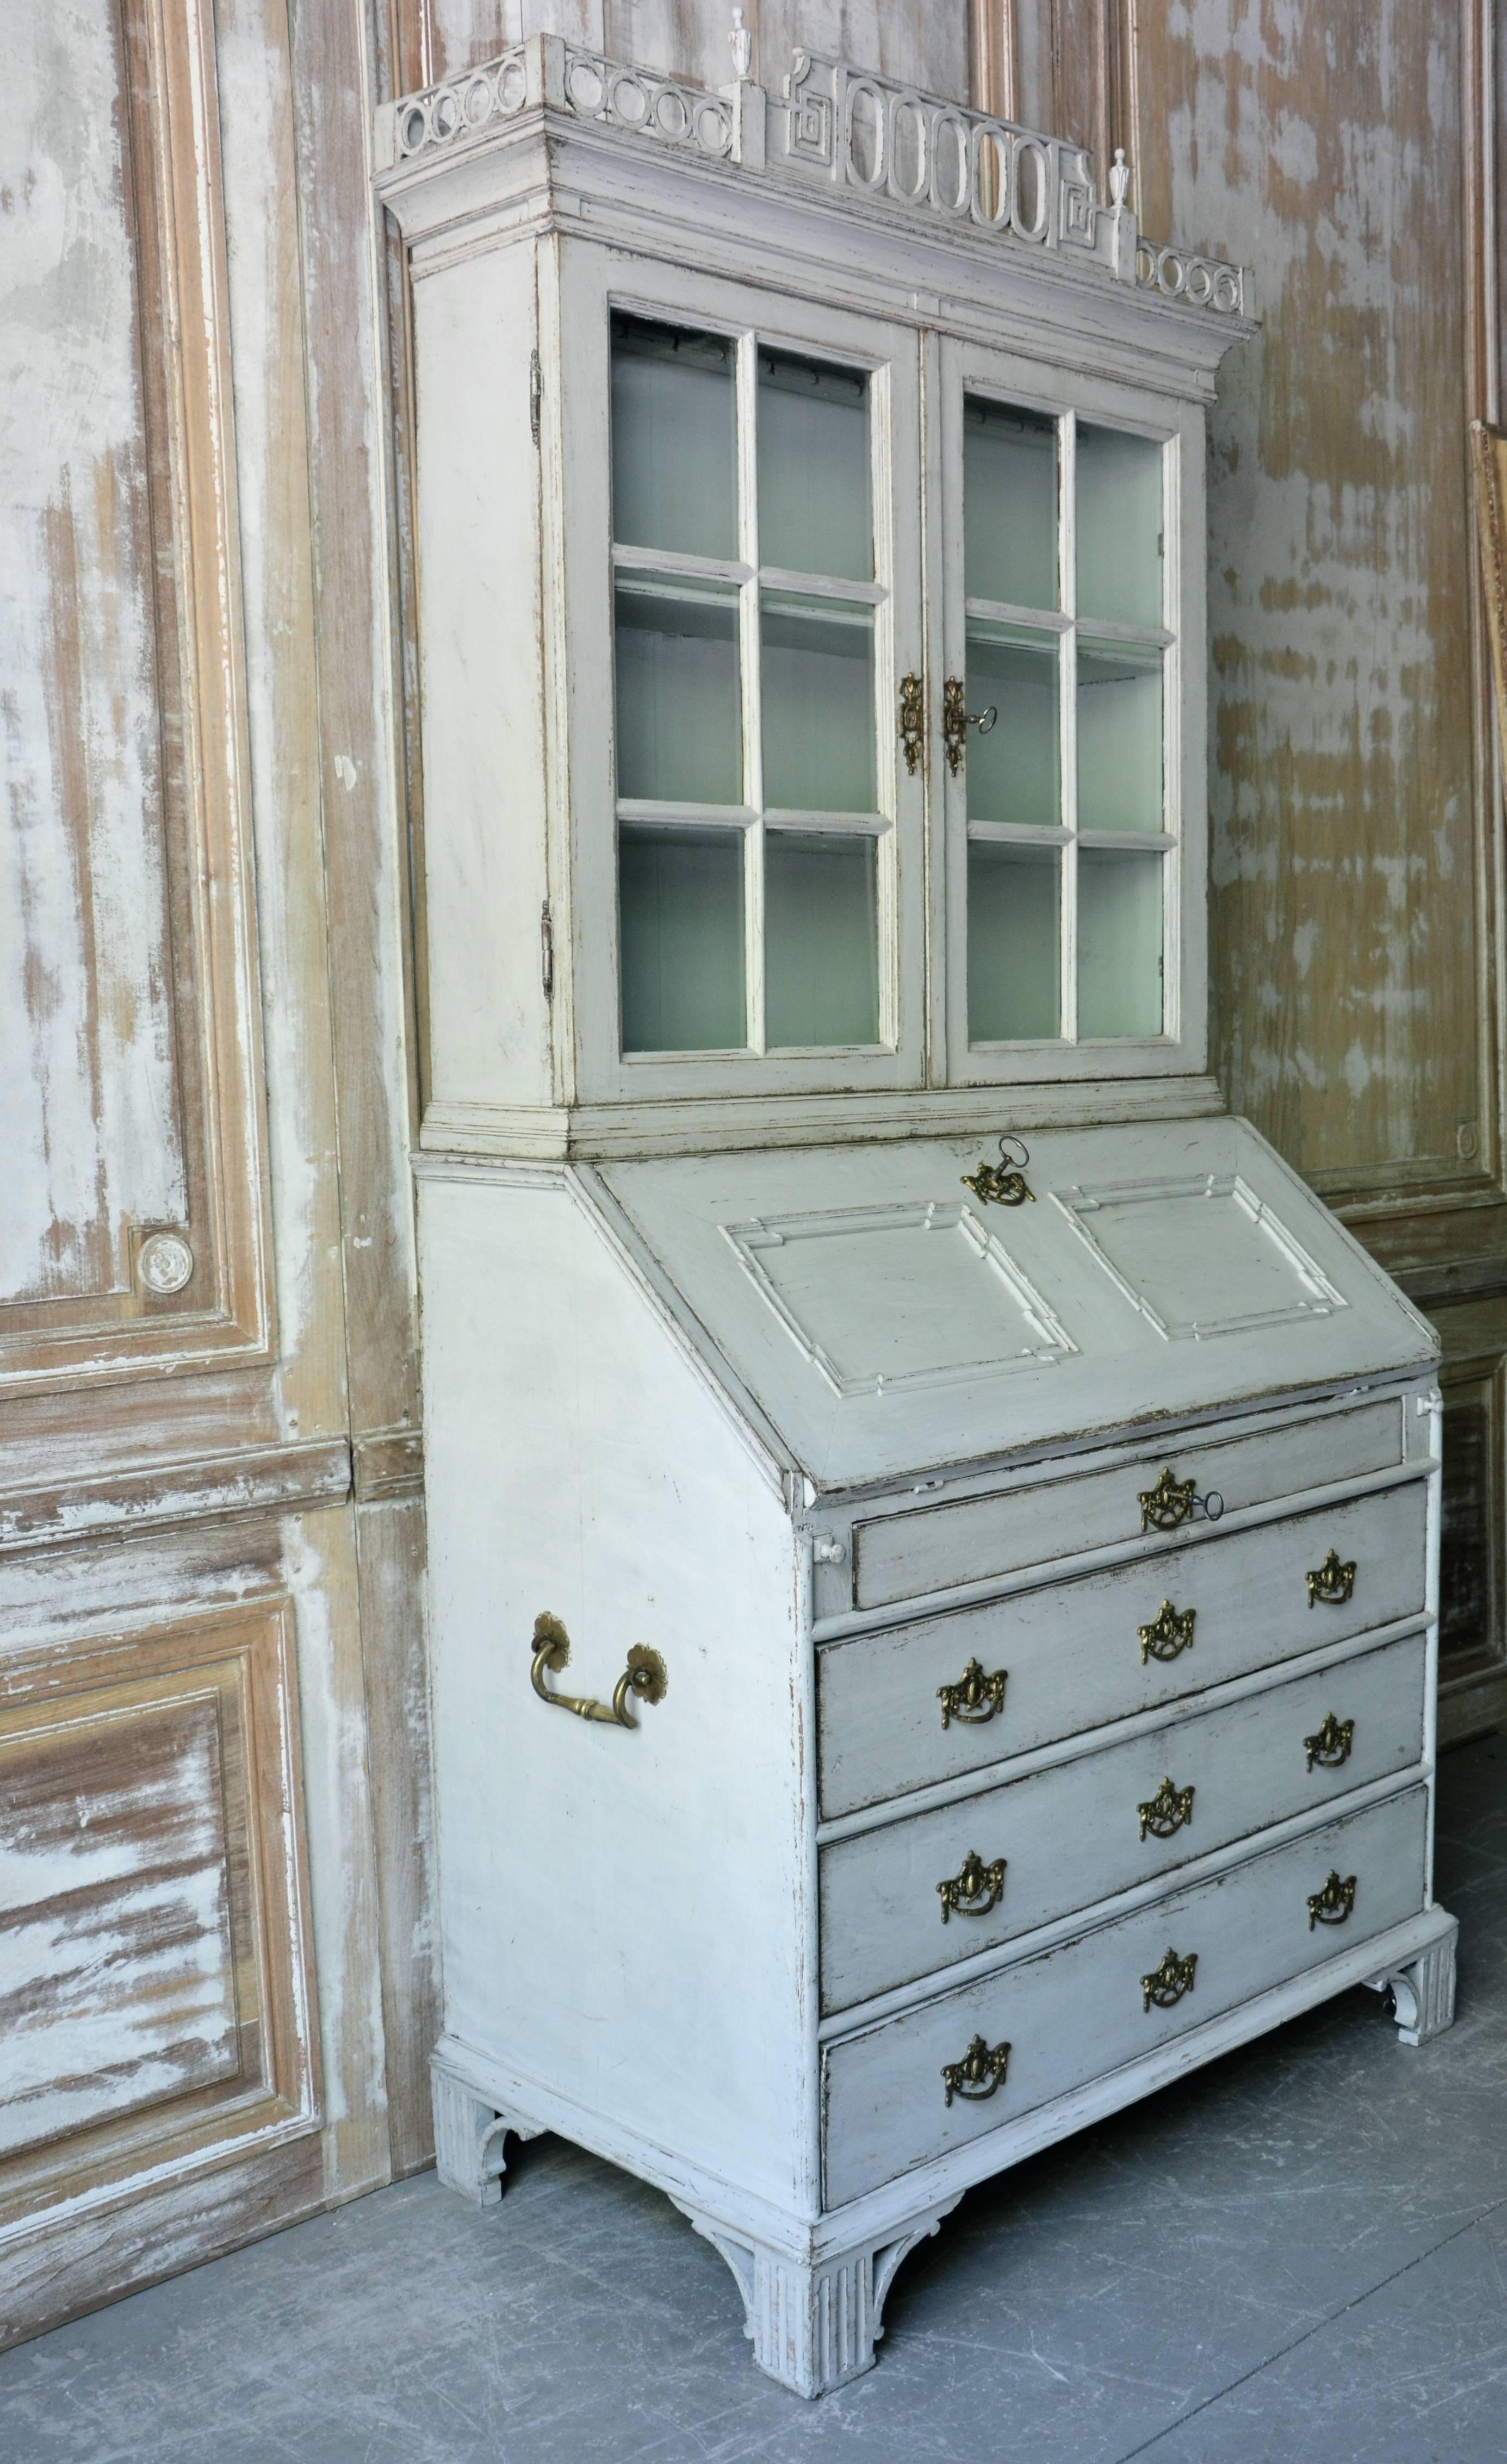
{"type": "Point", "coordinates": [679, 720]}
{"type": "Point", "coordinates": [1010, 504]}
{"type": "Point", "coordinates": [821, 938]}
{"type": "Point", "coordinates": [673, 440]}
{"type": "Point", "coordinates": [1120, 943]}
{"type": "Point", "coordinates": [813, 468]}
{"type": "Point", "coordinates": [1014, 963]}
{"type": "Point", "coordinates": [818, 706]}
{"type": "Point", "coordinates": [680, 905]}
{"type": "Point", "coordinates": [1012, 770]}
{"type": "Point", "coordinates": [1119, 742]}
{"type": "Point", "coordinates": [1120, 526]}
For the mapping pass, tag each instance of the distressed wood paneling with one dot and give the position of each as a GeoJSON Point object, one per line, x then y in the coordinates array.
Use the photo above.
{"type": "Point", "coordinates": [927, 44]}
{"type": "Point", "coordinates": [1348, 158]}
{"type": "Point", "coordinates": [248, 994]}
{"type": "Point", "coordinates": [128, 972]}
{"type": "Point", "coordinates": [1472, 1611]}
{"type": "Point", "coordinates": [155, 1984]}
{"type": "Point", "coordinates": [1329, 151]}
{"type": "Point", "coordinates": [351, 491]}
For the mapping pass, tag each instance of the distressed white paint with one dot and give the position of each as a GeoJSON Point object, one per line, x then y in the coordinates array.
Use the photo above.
{"type": "Point", "coordinates": [1121, 1362]}
{"type": "Point", "coordinates": [1077, 2011]}
{"type": "Point", "coordinates": [653, 1387]}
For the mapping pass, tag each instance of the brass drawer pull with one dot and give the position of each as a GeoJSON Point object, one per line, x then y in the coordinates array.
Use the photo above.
{"type": "Point", "coordinates": [1167, 1812]}
{"type": "Point", "coordinates": [1333, 1582]}
{"type": "Point", "coordinates": [1166, 1985]}
{"type": "Point", "coordinates": [981, 2071]}
{"type": "Point", "coordinates": [1170, 1631]}
{"type": "Point", "coordinates": [913, 721]}
{"type": "Point", "coordinates": [974, 1696]}
{"type": "Point", "coordinates": [644, 1677]}
{"type": "Point", "coordinates": [974, 1889]}
{"type": "Point", "coordinates": [1330, 1745]}
{"type": "Point", "coordinates": [1003, 1183]}
{"type": "Point", "coordinates": [1333, 1904]}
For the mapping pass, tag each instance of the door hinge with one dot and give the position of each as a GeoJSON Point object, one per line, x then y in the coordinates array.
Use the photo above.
{"type": "Point", "coordinates": [536, 393]}
{"type": "Point", "coordinates": [546, 951]}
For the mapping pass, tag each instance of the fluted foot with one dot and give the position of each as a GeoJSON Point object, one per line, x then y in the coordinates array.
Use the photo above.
{"type": "Point", "coordinates": [469, 2136]}
{"type": "Point", "coordinates": [1422, 1992]}
{"type": "Point", "coordinates": [813, 2324]}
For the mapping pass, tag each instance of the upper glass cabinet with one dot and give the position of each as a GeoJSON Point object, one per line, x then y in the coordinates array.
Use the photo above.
{"type": "Point", "coordinates": [747, 725]}
{"type": "Point", "coordinates": [762, 527]}
{"type": "Point", "coordinates": [1063, 749]}
{"type": "Point", "coordinates": [811, 567]}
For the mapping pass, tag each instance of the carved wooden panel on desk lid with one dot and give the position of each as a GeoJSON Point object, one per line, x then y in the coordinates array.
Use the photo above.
{"type": "Point", "coordinates": [132, 1227]}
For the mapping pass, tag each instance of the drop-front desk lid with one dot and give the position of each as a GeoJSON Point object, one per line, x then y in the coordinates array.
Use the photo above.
{"type": "Point", "coordinates": [887, 1320]}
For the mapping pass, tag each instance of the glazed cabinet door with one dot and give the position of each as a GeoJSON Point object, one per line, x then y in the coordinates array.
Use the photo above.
{"type": "Point", "coordinates": [738, 568]}
{"type": "Point", "coordinates": [1070, 788]}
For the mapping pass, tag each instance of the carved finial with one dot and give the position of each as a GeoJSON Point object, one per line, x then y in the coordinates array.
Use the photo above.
{"type": "Point", "coordinates": [742, 42]}
{"type": "Point", "coordinates": [1119, 178]}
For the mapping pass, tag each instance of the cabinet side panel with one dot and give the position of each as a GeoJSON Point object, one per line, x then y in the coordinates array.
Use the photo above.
{"type": "Point", "coordinates": [621, 1910]}
{"type": "Point", "coordinates": [482, 678]}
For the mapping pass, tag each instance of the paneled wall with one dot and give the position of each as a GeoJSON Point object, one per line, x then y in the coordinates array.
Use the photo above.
{"type": "Point", "coordinates": [1354, 788]}
{"type": "Point", "coordinates": [216, 1998]}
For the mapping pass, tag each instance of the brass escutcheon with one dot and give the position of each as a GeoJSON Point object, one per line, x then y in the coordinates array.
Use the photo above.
{"type": "Point", "coordinates": [912, 720]}
{"type": "Point", "coordinates": [1170, 1631]}
{"type": "Point", "coordinates": [1167, 1812]}
{"type": "Point", "coordinates": [1003, 1183]}
{"type": "Point", "coordinates": [1330, 1745]}
{"type": "Point", "coordinates": [981, 2071]}
{"type": "Point", "coordinates": [974, 1889]}
{"type": "Point", "coordinates": [974, 1696]}
{"type": "Point", "coordinates": [644, 1677]}
{"type": "Point", "coordinates": [957, 718]}
{"type": "Point", "coordinates": [1333, 1904]}
{"type": "Point", "coordinates": [1333, 1582]}
{"type": "Point", "coordinates": [1168, 1984]}
{"type": "Point", "coordinates": [1170, 1502]}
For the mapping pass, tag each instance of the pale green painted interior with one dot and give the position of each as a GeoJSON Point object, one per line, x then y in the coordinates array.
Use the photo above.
{"type": "Point", "coordinates": [675, 431]}
{"type": "Point", "coordinates": [1120, 526]}
{"type": "Point", "coordinates": [817, 674]}
{"type": "Point", "coordinates": [1119, 943]}
{"type": "Point", "coordinates": [679, 717]}
{"type": "Point", "coordinates": [1015, 906]}
{"type": "Point", "coordinates": [1120, 740]}
{"type": "Point", "coordinates": [821, 938]}
{"type": "Point", "coordinates": [1010, 485]}
{"type": "Point", "coordinates": [680, 897]}
{"type": "Point", "coordinates": [1013, 768]}
{"type": "Point", "coordinates": [814, 496]}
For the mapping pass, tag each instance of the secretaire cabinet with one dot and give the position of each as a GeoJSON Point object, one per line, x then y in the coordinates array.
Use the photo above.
{"type": "Point", "coordinates": [975, 1508]}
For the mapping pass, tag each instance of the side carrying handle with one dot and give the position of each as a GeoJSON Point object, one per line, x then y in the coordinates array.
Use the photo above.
{"type": "Point", "coordinates": [644, 1677]}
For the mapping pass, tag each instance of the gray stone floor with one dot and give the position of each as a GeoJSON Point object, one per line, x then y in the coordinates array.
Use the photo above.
{"type": "Point", "coordinates": [1301, 2253]}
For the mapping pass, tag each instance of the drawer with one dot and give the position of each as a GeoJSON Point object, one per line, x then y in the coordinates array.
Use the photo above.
{"type": "Point", "coordinates": [1072, 1654]}
{"type": "Point", "coordinates": [1078, 2012]}
{"type": "Point", "coordinates": [1074, 1834]}
{"type": "Point", "coordinates": [900, 1556]}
